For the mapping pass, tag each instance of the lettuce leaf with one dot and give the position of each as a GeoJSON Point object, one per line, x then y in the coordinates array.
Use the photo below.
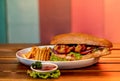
{"type": "Point", "coordinates": [76, 55]}
{"type": "Point", "coordinates": [34, 74]}
{"type": "Point", "coordinates": [53, 57]}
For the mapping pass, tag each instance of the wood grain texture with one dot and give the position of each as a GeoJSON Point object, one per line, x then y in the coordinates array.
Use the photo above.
{"type": "Point", "coordinates": [107, 69]}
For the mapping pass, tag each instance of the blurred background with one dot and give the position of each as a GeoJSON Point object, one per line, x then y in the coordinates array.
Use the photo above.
{"type": "Point", "coordinates": [37, 21]}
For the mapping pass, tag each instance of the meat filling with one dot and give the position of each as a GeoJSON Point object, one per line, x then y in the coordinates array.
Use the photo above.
{"type": "Point", "coordinates": [79, 48]}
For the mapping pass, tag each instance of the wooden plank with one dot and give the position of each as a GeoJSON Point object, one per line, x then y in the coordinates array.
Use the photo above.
{"type": "Point", "coordinates": [116, 45]}
{"type": "Point", "coordinates": [110, 60]}
{"type": "Point", "coordinates": [107, 69]}
{"type": "Point", "coordinates": [13, 67]}
{"type": "Point", "coordinates": [114, 53]}
{"type": "Point", "coordinates": [15, 47]}
{"type": "Point", "coordinates": [8, 61]}
{"type": "Point", "coordinates": [81, 76]}
{"type": "Point", "coordinates": [7, 55]}
{"type": "Point", "coordinates": [96, 67]}
{"type": "Point", "coordinates": [100, 60]}
{"type": "Point", "coordinates": [14, 60]}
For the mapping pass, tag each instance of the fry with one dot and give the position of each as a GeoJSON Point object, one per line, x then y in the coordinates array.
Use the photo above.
{"type": "Point", "coordinates": [48, 54]}
{"type": "Point", "coordinates": [24, 56]}
{"type": "Point", "coordinates": [37, 53]}
{"type": "Point", "coordinates": [28, 55]}
{"type": "Point", "coordinates": [39, 56]}
{"type": "Point", "coordinates": [43, 53]}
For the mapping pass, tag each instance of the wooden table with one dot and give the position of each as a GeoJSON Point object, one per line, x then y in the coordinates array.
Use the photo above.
{"type": "Point", "coordinates": [107, 69]}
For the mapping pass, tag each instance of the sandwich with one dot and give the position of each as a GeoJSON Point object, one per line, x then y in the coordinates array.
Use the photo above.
{"type": "Point", "coordinates": [78, 46]}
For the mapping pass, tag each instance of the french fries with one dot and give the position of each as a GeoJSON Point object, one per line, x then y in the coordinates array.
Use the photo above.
{"type": "Point", "coordinates": [37, 53]}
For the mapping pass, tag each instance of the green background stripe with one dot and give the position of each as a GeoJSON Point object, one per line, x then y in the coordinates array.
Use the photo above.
{"type": "Point", "coordinates": [3, 38]}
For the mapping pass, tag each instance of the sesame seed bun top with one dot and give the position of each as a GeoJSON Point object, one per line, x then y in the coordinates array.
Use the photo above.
{"type": "Point", "coordinates": [80, 38]}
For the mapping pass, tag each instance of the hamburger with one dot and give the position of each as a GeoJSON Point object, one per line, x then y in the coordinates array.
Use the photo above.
{"type": "Point", "coordinates": [78, 46]}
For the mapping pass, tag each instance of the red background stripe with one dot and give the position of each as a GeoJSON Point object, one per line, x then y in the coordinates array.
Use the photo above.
{"type": "Point", "coordinates": [97, 17]}
{"type": "Point", "coordinates": [54, 18]}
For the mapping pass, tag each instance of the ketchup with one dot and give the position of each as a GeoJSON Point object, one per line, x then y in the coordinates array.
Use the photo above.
{"type": "Point", "coordinates": [47, 67]}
